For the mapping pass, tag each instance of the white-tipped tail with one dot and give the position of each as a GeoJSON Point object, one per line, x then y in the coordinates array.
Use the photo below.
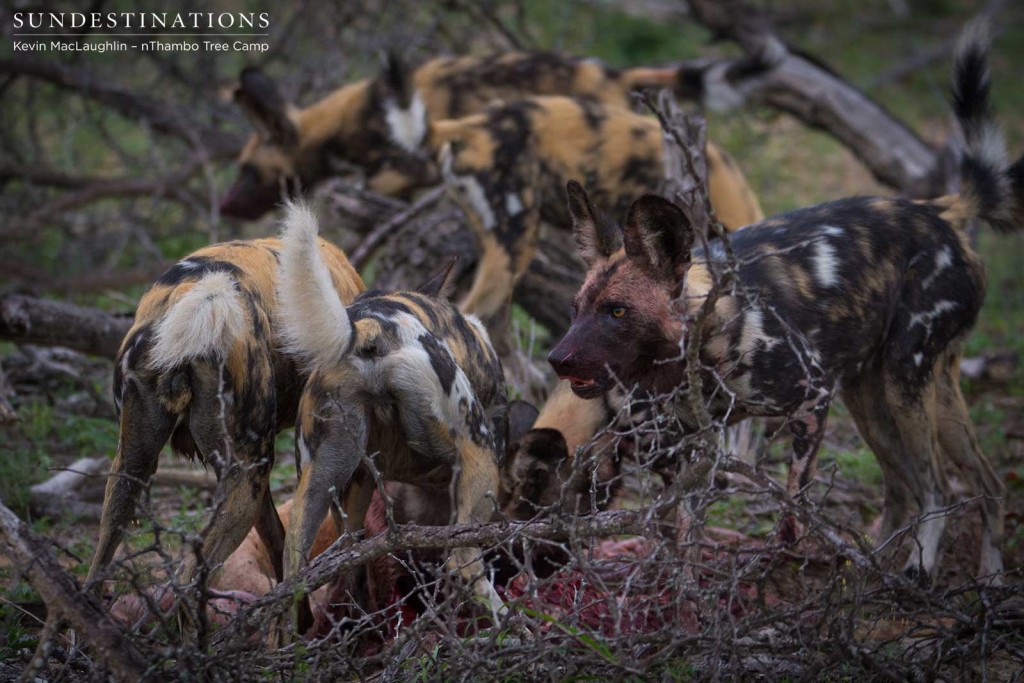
{"type": "Point", "coordinates": [206, 321]}
{"type": "Point", "coordinates": [312, 320]}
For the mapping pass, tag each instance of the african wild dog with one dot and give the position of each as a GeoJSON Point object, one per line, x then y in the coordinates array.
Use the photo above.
{"type": "Point", "coordinates": [511, 162]}
{"type": "Point", "coordinates": [403, 375]}
{"type": "Point", "coordinates": [294, 149]}
{"type": "Point", "coordinates": [201, 367]}
{"type": "Point", "coordinates": [868, 297]}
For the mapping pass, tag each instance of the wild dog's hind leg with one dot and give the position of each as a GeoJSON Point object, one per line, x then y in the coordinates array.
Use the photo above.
{"type": "Point", "coordinates": [331, 437]}
{"type": "Point", "coordinates": [960, 443]}
{"type": "Point", "coordinates": [271, 532]}
{"type": "Point", "coordinates": [233, 424]}
{"type": "Point", "coordinates": [913, 411]}
{"type": "Point", "coordinates": [863, 398]}
{"type": "Point", "coordinates": [475, 490]}
{"type": "Point", "coordinates": [145, 428]}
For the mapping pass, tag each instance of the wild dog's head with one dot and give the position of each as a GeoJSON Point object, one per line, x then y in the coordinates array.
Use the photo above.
{"type": "Point", "coordinates": [627, 318]}
{"type": "Point", "coordinates": [272, 165]}
{"type": "Point", "coordinates": [369, 124]}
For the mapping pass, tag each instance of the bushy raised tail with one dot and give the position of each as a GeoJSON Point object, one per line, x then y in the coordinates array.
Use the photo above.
{"type": "Point", "coordinates": [313, 322]}
{"type": "Point", "coordinates": [204, 323]}
{"type": "Point", "coordinates": [991, 188]}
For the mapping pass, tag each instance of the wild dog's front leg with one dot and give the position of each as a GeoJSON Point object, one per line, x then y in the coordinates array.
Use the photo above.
{"type": "Point", "coordinates": [959, 441]}
{"type": "Point", "coordinates": [493, 281]}
{"type": "Point", "coordinates": [808, 429]}
{"type": "Point", "coordinates": [502, 212]}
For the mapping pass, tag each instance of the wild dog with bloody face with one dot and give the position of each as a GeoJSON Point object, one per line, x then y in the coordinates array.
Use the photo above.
{"type": "Point", "coordinates": [868, 297]}
{"type": "Point", "coordinates": [403, 375]}
{"type": "Point", "coordinates": [294, 149]}
{"type": "Point", "coordinates": [201, 367]}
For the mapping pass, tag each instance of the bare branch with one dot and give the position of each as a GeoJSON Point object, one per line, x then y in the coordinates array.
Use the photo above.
{"type": "Point", "coordinates": [64, 597]}
{"type": "Point", "coordinates": [773, 75]}
{"type": "Point", "coordinates": [163, 117]}
{"type": "Point", "coordinates": [29, 320]}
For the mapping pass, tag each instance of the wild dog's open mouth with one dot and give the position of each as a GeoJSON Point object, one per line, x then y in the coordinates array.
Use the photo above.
{"type": "Point", "coordinates": [585, 388]}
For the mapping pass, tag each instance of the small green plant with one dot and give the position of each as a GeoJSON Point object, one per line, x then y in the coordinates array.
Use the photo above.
{"type": "Point", "coordinates": [14, 621]}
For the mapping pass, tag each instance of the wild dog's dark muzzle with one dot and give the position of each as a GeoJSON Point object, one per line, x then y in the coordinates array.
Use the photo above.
{"type": "Point", "coordinates": [569, 365]}
{"type": "Point", "coordinates": [249, 198]}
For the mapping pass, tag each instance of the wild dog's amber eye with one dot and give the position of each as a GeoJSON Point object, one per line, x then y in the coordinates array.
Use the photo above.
{"type": "Point", "coordinates": [618, 311]}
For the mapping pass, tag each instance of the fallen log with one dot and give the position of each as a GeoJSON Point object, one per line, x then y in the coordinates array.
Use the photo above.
{"type": "Point", "coordinates": [31, 320]}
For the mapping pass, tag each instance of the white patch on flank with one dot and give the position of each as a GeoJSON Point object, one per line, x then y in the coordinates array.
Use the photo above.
{"type": "Point", "coordinates": [918, 357]}
{"type": "Point", "coordinates": [312, 320]}
{"type": "Point", "coordinates": [831, 230]}
{"type": "Point", "coordinates": [408, 127]}
{"type": "Point", "coordinates": [412, 377]}
{"type": "Point", "coordinates": [825, 263]}
{"type": "Point", "coordinates": [474, 193]}
{"type": "Point", "coordinates": [470, 188]}
{"type": "Point", "coordinates": [205, 320]}
{"type": "Point", "coordinates": [943, 260]}
{"type": "Point", "coordinates": [925, 319]}
{"type": "Point", "coordinates": [513, 204]}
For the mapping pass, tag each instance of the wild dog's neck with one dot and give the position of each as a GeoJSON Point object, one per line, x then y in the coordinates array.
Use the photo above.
{"type": "Point", "coordinates": [714, 330]}
{"type": "Point", "coordinates": [353, 126]}
{"type": "Point", "coordinates": [336, 116]}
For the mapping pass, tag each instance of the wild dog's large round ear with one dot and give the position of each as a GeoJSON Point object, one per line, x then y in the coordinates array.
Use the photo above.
{"type": "Point", "coordinates": [265, 107]}
{"type": "Point", "coordinates": [659, 236]}
{"type": "Point", "coordinates": [396, 78]}
{"type": "Point", "coordinates": [597, 235]}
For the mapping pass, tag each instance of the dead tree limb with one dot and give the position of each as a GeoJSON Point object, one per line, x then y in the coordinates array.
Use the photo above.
{"type": "Point", "coordinates": [773, 75]}
{"type": "Point", "coordinates": [84, 282]}
{"type": "Point", "coordinates": [32, 555]}
{"type": "Point", "coordinates": [86, 191]}
{"type": "Point", "coordinates": [30, 320]}
{"type": "Point", "coordinates": [340, 559]}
